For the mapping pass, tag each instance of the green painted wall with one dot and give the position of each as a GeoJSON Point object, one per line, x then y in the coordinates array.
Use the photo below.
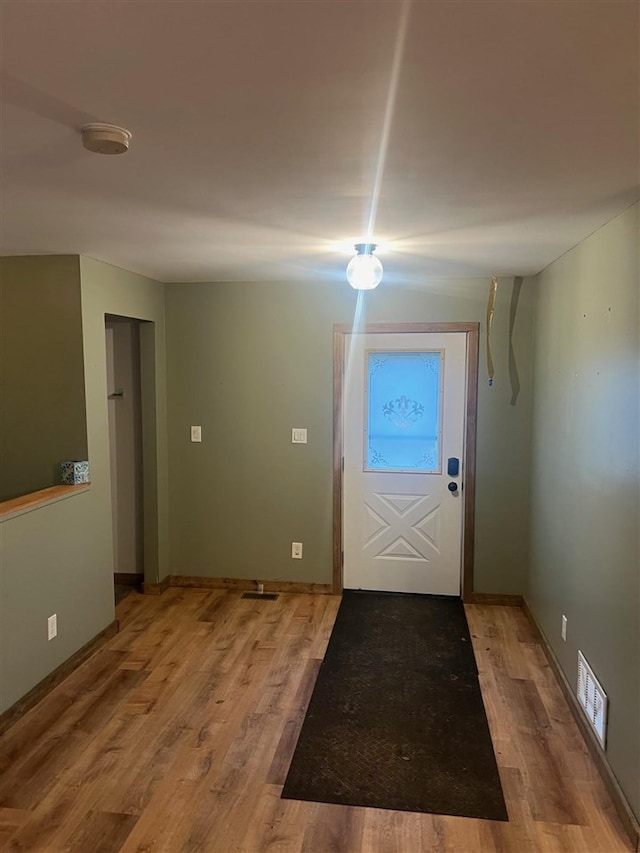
{"type": "Point", "coordinates": [51, 562]}
{"type": "Point", "coordinates": [59, 558]}
{"type": "Point", "coordinates": [248, 362]}
{"type": "Point", "coordinates": [585, 512]}
{"type": "Point", "coordinates": [42, 406]}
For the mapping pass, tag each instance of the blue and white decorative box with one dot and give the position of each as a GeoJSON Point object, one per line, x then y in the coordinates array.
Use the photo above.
{"type": "Point", "coordinates": [74, 473]}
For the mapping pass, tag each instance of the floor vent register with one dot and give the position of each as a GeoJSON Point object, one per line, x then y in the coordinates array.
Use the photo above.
{"type": "Point", "coordinates": [592, 698]}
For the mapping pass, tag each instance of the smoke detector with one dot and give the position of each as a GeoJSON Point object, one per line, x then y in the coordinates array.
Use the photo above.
{"type": "Point", "coordinates": [105, 138]}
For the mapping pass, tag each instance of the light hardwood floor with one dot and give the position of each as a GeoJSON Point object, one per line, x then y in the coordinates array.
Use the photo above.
{"type": "Point", "coordinates": [176, 736]}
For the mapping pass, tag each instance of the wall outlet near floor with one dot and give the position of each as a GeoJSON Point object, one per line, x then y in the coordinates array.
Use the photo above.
{"type": "Point", "coordinates": [296, 550]}
{"type": "Point", "coordinates": [52, 626]}
{"type": "Point", "coordinates": [564, 628]}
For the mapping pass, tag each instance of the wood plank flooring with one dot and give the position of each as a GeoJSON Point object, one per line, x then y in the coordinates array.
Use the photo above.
{"type": "Point", "coordinates": [178, 733]}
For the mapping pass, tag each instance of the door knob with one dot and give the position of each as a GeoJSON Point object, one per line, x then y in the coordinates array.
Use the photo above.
{"type": "Point", "coordinates": [453, 487]}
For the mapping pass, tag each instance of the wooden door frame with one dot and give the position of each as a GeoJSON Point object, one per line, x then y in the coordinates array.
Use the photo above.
{"type": "Point", "coordinates": [472, 331]}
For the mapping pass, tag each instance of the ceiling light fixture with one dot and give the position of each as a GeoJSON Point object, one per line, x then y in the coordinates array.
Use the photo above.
{"type": "Point", "coordinates": [364, 271]}
{"type": "Point", "coordinates": [105, 138]}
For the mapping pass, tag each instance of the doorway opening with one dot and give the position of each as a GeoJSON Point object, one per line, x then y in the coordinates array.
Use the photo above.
{"type": "Point", "coordinates": [124, 396]}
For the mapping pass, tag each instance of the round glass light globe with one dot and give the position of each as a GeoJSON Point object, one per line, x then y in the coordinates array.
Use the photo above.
{"type": "Point", "coordinates": [364, 272]}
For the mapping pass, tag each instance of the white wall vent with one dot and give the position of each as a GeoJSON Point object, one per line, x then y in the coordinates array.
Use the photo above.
{"type": "Point", "coordinates": [592, 698]}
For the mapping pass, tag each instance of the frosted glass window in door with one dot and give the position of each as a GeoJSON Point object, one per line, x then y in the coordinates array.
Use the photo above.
{"type": "Point", "coordinates": [403, 416]}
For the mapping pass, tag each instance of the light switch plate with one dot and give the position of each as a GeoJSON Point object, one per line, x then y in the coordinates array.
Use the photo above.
{"type": "Point", "coordinates": [196, 433]}
{"type": "Point", "coordinates": [298, 436]}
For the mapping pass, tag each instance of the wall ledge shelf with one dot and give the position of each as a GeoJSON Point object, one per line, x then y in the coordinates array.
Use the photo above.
{"type": "Point", "coordinates": [36, 500]}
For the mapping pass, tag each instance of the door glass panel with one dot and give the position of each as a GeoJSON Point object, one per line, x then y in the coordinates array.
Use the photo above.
{"type": "Point", "coordinates": [403, 411]}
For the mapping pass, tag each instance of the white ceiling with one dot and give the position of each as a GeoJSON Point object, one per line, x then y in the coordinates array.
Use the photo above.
{"type": "Point", "coordinates": [258, 130]}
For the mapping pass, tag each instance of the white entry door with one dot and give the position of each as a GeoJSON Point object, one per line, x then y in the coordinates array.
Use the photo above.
{"type": "Point", "coordinates": [404, 425]}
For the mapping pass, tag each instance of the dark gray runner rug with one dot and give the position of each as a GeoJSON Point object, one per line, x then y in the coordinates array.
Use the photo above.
{"type": "Point", "coordinates": [396, 719]}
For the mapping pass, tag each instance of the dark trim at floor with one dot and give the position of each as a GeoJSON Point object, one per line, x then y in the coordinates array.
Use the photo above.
{"type": "Point", "coordinates": [156, 588]}
{"type": "Point", "coordinates": [20, 708]}
{"type": "Point", "coordinates": [246, 585]}
{"type": "Point", "coordinates": [235, 584]}
{"type": "Point", "coordinates": [622, 807]}
{"type": "Point", "coordinates": [128, 578]}
{"type": "Point", "coordinates": [493, 598]}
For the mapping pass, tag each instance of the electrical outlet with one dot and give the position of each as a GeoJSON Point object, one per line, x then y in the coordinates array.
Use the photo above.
{"type": "Point", "coordinates": [564, 628]}
{"type": "Point", "coordinates": [260, 587]}
{"type": "Point", "coordinates": [52, 626]}
{"type": "Point", "coordinates": [296, 550]}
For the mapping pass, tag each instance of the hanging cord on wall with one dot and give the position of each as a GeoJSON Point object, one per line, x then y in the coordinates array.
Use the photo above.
{"type": "Point", "coordinates": [490, 309]}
